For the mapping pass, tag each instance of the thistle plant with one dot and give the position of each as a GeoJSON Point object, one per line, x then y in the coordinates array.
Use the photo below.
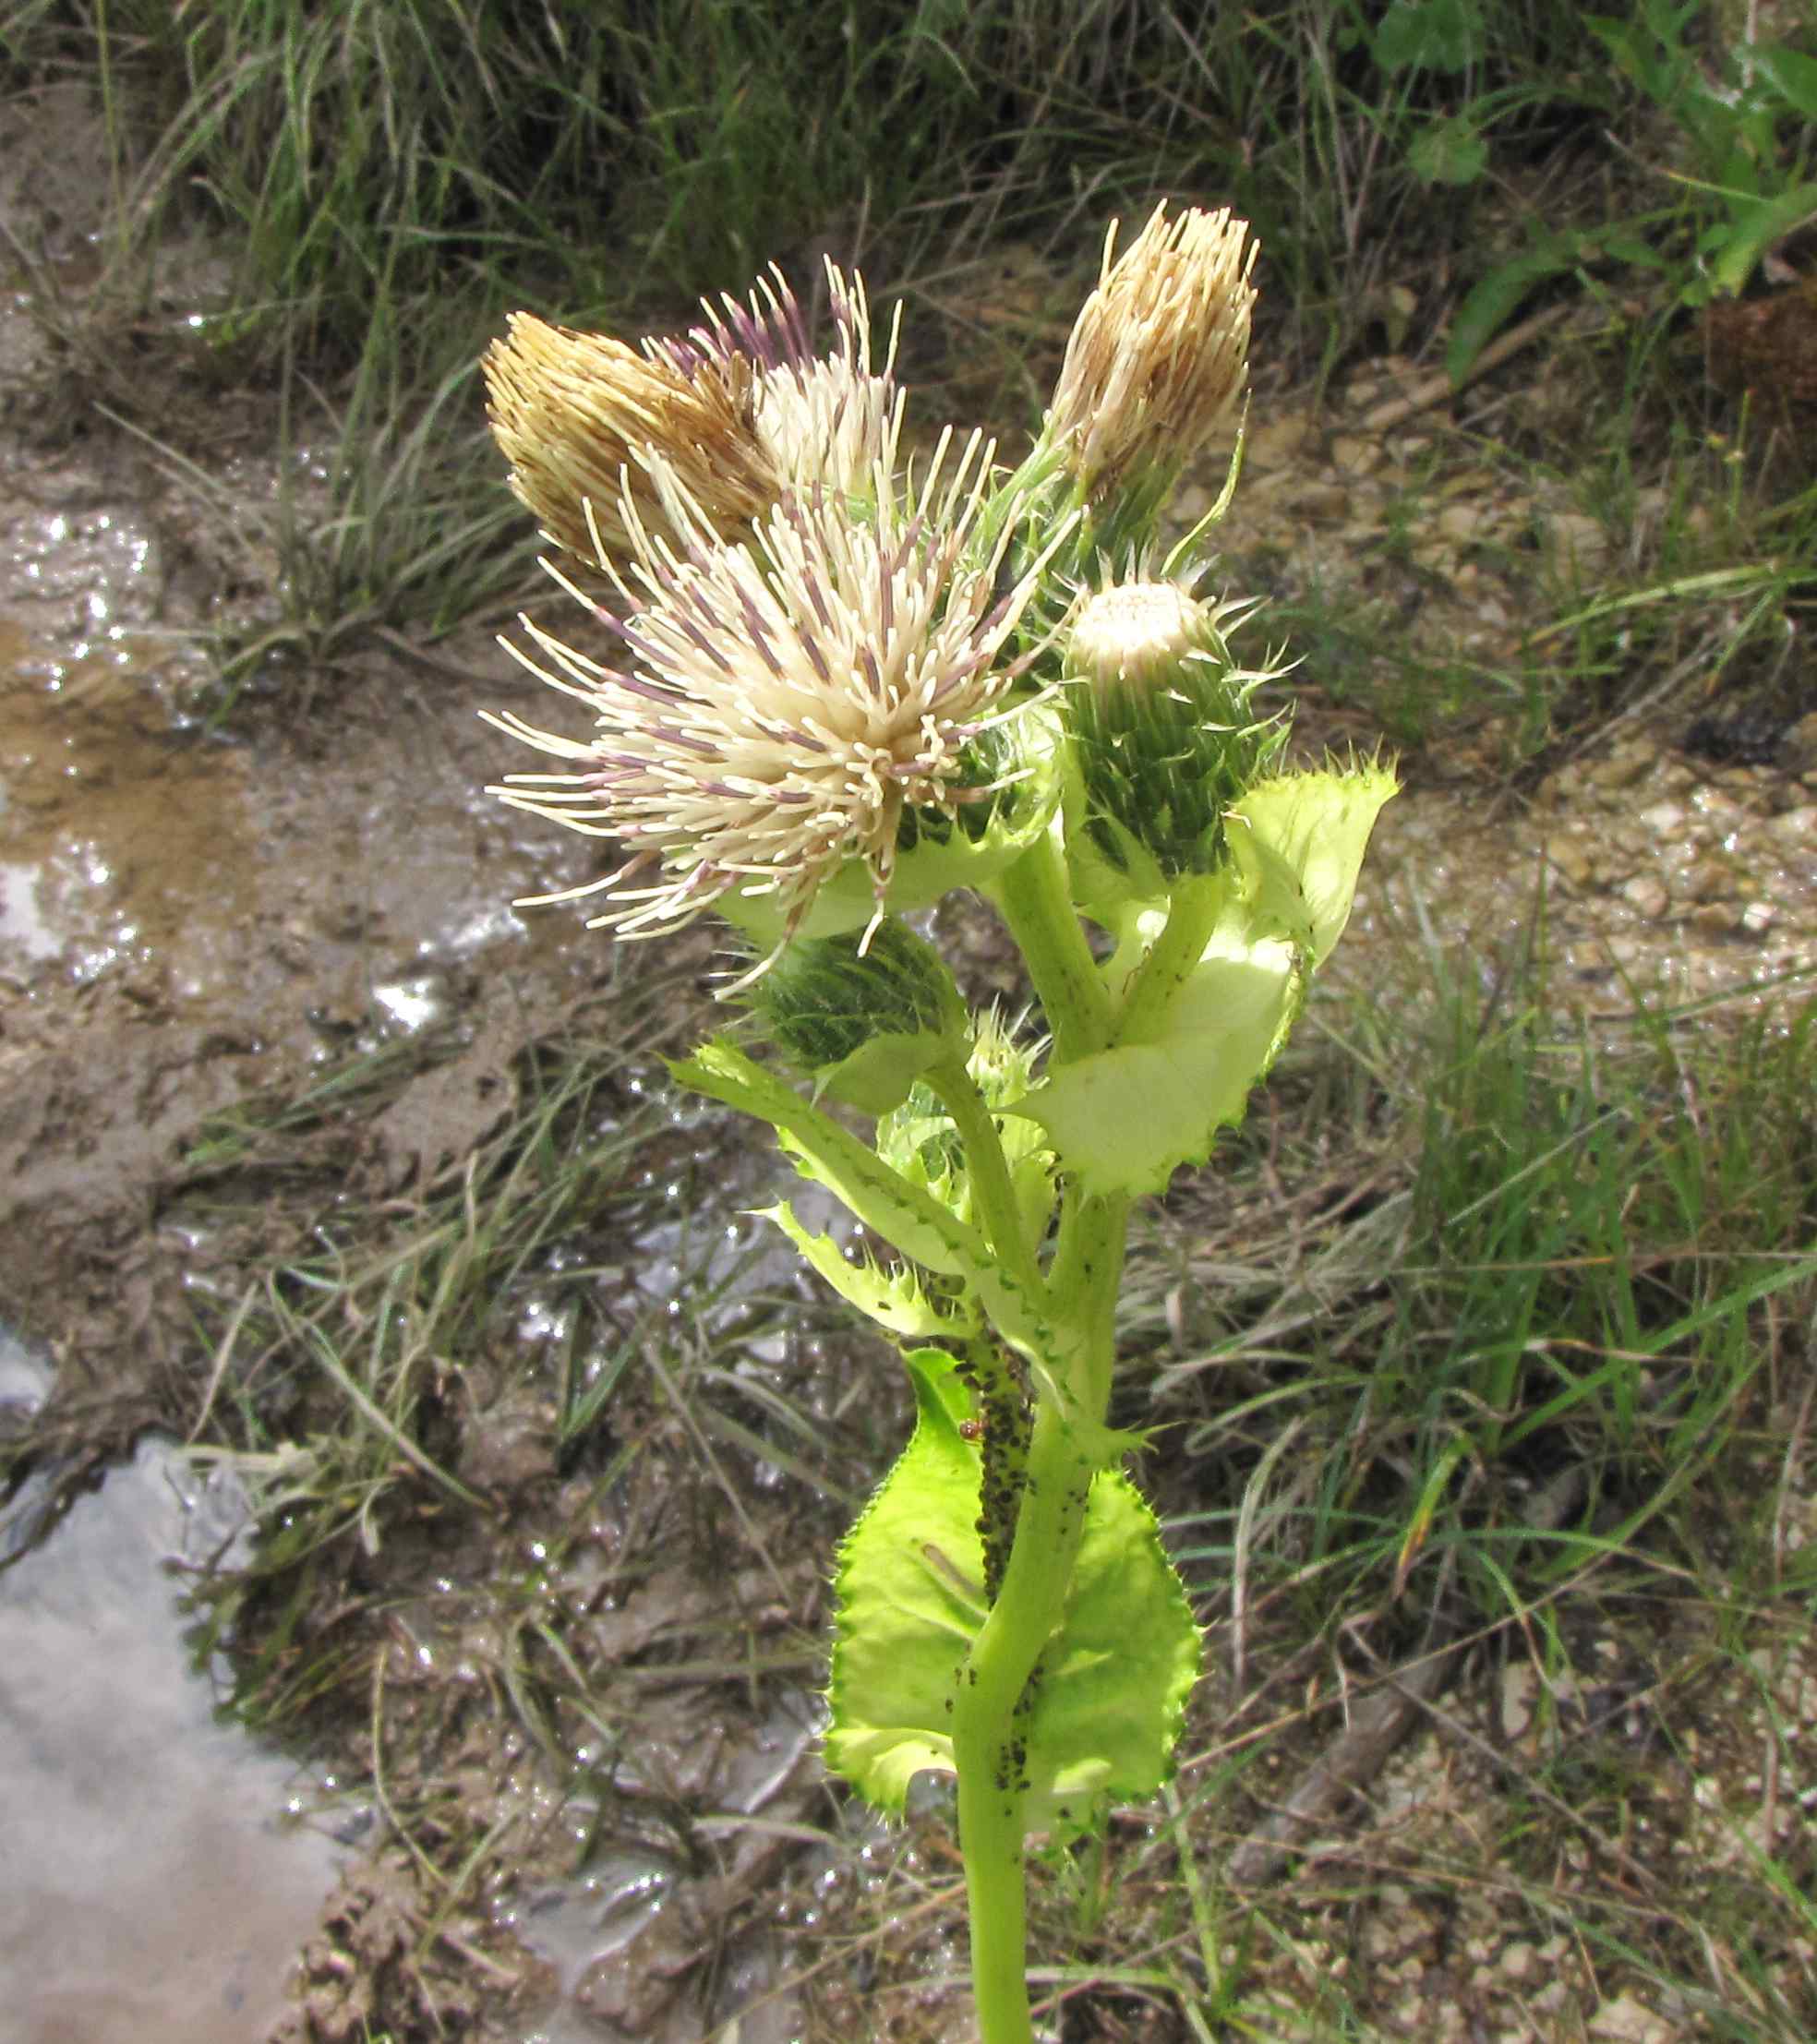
{"type": "Point", "coordinates": [826, 687]}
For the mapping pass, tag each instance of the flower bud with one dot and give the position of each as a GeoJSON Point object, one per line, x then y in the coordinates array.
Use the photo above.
{"type": "Point", "coordinates": [866, 1019]}
{"type": "Point", "coordinates": [579, 416]}
{"type": "Point", "coordinates": [1158, 354]}
{"type": "Point", "coordinates": [1130, 636]}
{"type": "Point", "coordinates": [1161, 726]}
{"type": "Point", "coordinates": [919, 1142]}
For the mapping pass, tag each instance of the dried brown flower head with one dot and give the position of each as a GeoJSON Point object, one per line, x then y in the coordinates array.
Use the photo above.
{"type": "Point", "coordinates": [739, 410]}
{"type": "Point", "coordinates": [1158, 355]}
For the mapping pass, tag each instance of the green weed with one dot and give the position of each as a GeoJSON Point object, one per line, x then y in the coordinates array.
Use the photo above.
{"type": "Point", "coordinates": [1560, 1258]}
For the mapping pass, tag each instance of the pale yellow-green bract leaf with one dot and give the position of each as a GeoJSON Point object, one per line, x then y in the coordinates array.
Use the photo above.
{"type": "Point", "coordinates": [1299, 841]}
{"type": "Point", "coordinates": [904, 1215]}
{"type": "Point", "coordinates": [894, 1298]}
{"type": "Point", "coordinates": [901, 1214]}
{"type": "Point", "coordinates": [1111, 1686]}
{"type": "Point", "coordinates": [1127, 1118]}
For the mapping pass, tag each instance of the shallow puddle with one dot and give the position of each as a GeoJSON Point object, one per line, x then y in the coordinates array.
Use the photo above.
{"type": "Point", "coordinates": [282, 904]}
{"type": "Point", "coordinates": [170, 1881]}
{"type": "Point", "coordinates": [112, 835]}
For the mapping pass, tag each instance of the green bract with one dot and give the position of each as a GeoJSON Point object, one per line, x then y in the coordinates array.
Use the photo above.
{"type": "Point", "coordinates": [1127, 1117]}
{"type": "Point", "coordinates": [920, 1142]}
{"type": "Point", "coordinates": [864, 1023]}
{"type": "Point", "coordinates": [896, 1299]}
{"type": "Point", "coordinates": [1163, 756]}
{"type": "Point", "coordinates": [920, 1227]}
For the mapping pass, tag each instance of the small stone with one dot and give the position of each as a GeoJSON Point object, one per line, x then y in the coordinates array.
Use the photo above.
{"type": "Point", "coordinates": [1325, 501]}
{"type": "Point", "coordinates": [1704, 879]}
{"type": "Point", "coordinates": [1629, 2021]}
{"type": "Point", "coordinates": [1463, 522]}
{"type": "Point", "coordinates": [1276, 440]}
{"type": "Point", "coordinates": [1622, 768]}
{"type": "Point", "coordinates": [1520, 1961]}
{"type": "Point", "coordinates": [1573, 536]}
{"type": "Point", "coordinates": [1567, 856]}
{"type": "Point", "coordinates": [1663, 819]}
{"type": "Point", "coordinates": [1646, 895]}
{"type": "Point", "coordinates": [1519, 1693]}
{"type": "Point", "coordinates": [1354, 456]}
{"type": "Point", "coordinates": [1715, 919]}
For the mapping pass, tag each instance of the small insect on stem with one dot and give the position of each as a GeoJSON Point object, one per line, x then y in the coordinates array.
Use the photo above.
{"type": "Point", "coordinates": [971, 1430]}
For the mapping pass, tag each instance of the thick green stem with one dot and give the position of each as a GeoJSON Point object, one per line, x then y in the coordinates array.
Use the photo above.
{"type": "Point", "coordinates": [992, 1195]}
{"type": "Point", "coordinates": [1035, 902]}
{"type": "Point", "coordinates": [987, 1742]}
{"type": "Point", "coordinates": [1192, 914]}
{"type": "Point", "coordinates": [1088, 1270]}
{"type": "Point", "coordinates": [989, 1735]}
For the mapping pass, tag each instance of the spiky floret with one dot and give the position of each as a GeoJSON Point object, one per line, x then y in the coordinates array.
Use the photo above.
{"type": "Point", "coordinates": [783, 702]}
{"type": "Point", "coordinates": [739, 408]}
{"type": "Point", "coordinates": [1158, 354]}
{"type": "Point", "coordinates": [1129, 634]}
{"type": "Point", "coordinates": [830, 421]}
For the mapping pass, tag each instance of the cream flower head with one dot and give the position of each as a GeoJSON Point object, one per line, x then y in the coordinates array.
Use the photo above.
{"type": "Point", "coordinates": [785, 701]}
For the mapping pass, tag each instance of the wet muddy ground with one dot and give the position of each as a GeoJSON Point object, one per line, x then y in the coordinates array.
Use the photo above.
{"type": "Point", "coordinates": [634, 1842]}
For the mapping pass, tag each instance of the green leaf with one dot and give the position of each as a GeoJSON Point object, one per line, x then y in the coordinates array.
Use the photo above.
{"type": "Point", "coordinates": [1113, 1684]}
{"type": "Point", "coordinates": [1125, 1119]}
{"type": "Point", "coordinates": [910, 1219]}
{"type": "Point", "coordinates": [904, 1215]}
{"type": "Point", "coordinates": [1299, 841]}
{"type": "Point", "coordinates": [1429, 35]}
{"type": "Point", "coordinates": [1792, 73]}
{"type": "Point", "coordinates": [1620, 246]}
{"type": "Point", "coordinates": [1449, 152]}
{"type": "Point", "coordinates": [1757, 225]}
{"type": "Point", "coordinates": [894, 1298]}
{"type": "Point", "coordinates": [1113, 877]}
{"type": "Point", "coordinates": [918, 1139]}
{"type": "Point", "coordinates": [1500, 294]}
